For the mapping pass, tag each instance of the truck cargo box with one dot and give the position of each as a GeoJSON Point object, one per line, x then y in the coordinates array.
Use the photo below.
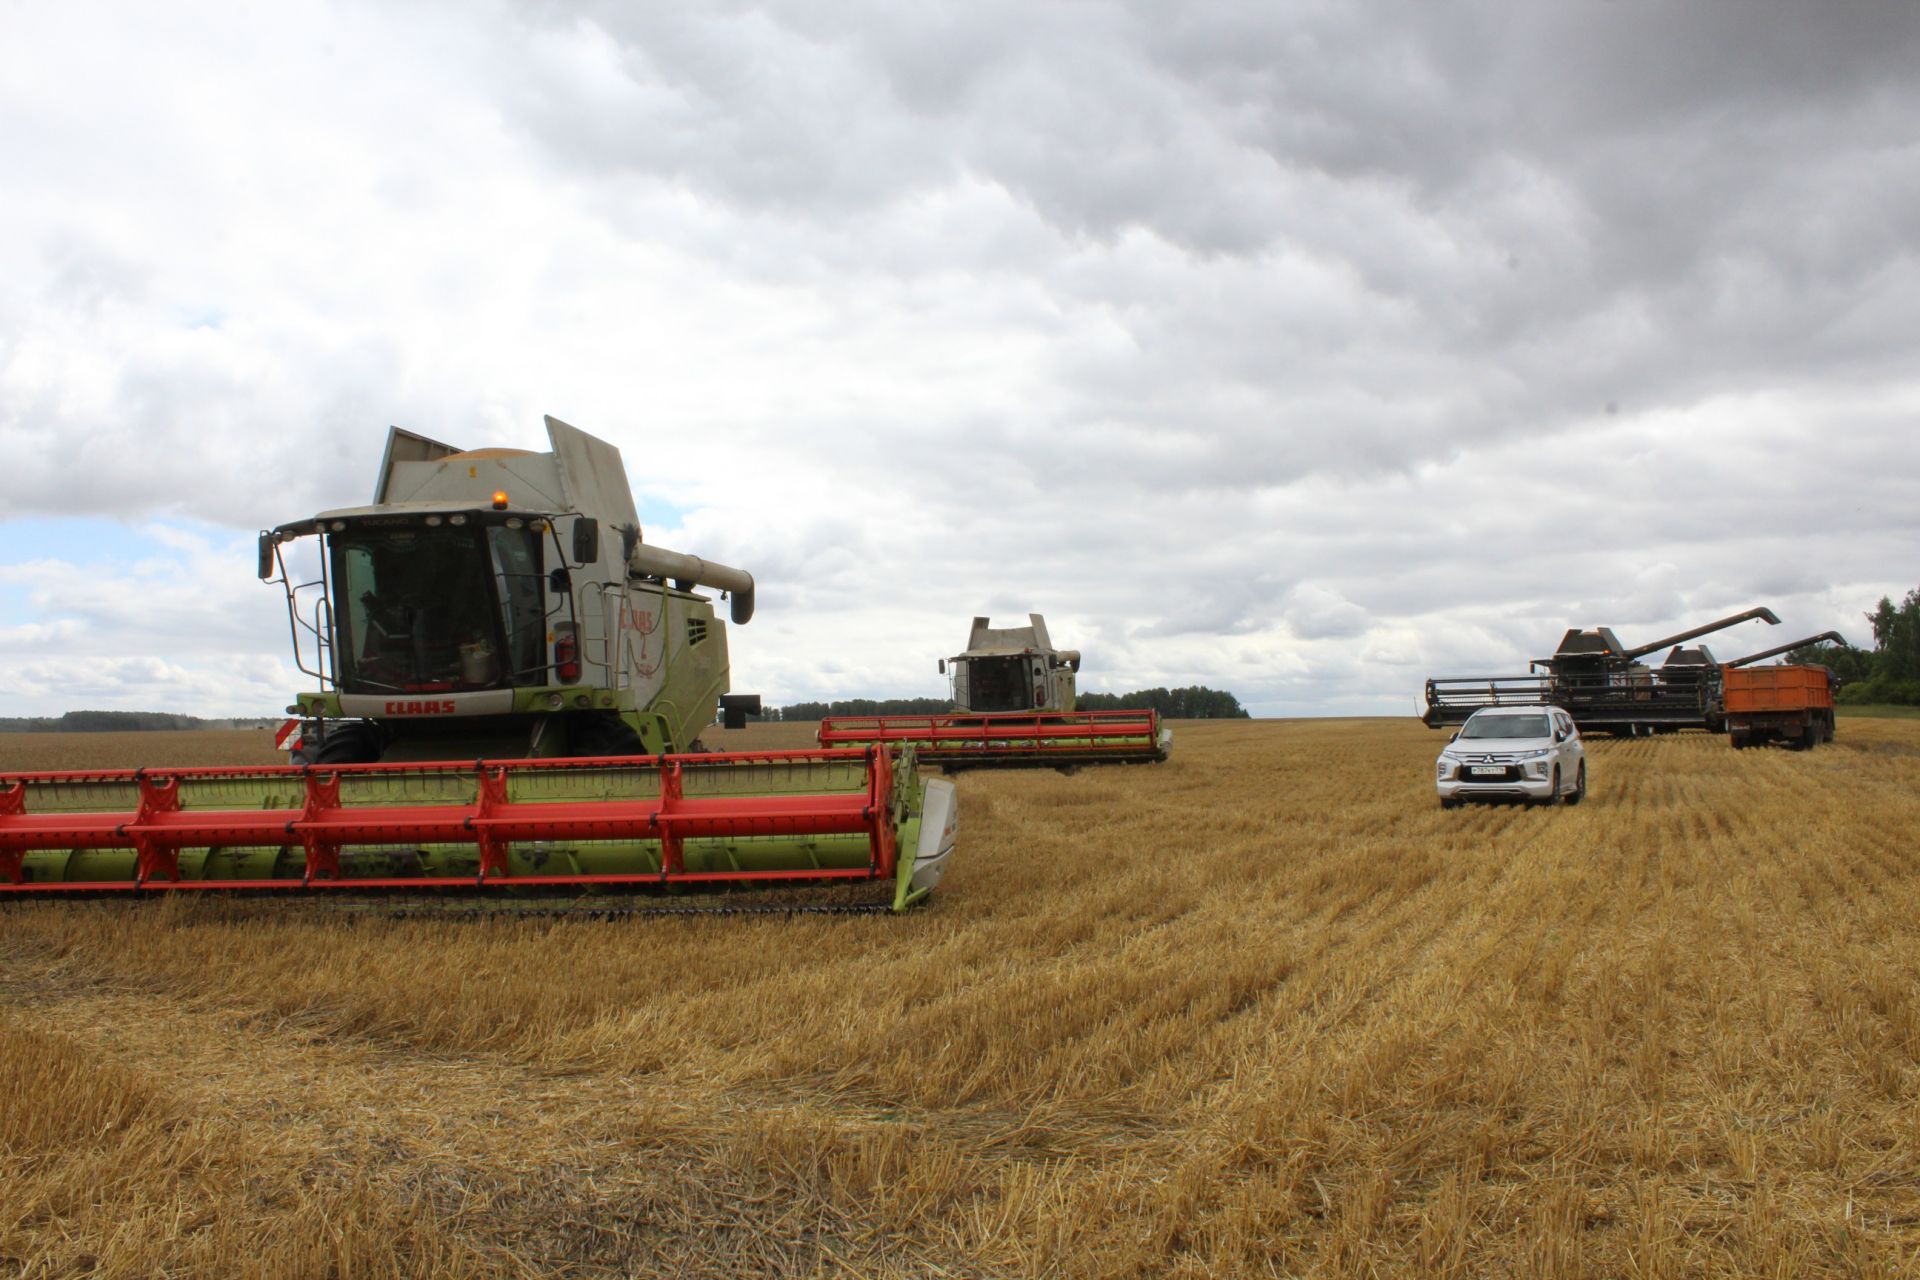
{"type": "Point", "coordinates": [1786, 688]}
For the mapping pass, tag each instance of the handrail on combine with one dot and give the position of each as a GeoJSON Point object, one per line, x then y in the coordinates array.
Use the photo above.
{"type": "Point", "coordinates": [310, 814]}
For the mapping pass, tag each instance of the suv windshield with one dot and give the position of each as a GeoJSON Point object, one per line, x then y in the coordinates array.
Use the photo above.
{"type": "Point", "coordinates": [438, 608]}
{"type": "Point", "coordinates": [1506, 727]}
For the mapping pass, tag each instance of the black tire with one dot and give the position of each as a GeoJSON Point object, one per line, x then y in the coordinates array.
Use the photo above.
{"type": "Point", "coordinates": [1448, 804]}
{"type": "Point", "coordinates": [594, 733]}
{"type": "Point", "coordinates": [344, 742]}
{"type": "Point", "coordinates": [1553, 789]}
{"type": "Point", "coordinates": [1579, 791]}
{"type": "Point", "coordinates": [1826, 728]}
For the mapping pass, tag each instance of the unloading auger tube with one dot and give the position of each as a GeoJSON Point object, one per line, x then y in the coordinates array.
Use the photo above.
{"type": "Point", "coordinates": [1779, 649]}
{"type": "Point", "coordinates": [682, 568]}
{"type": "Point", "coordinates": [1762, 614]}
{"type": "Point", "coordinates": [489, 827]}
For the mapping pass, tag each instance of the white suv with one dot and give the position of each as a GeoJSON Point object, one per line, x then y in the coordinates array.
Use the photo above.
{"type": "Point", "coordinates": [1513, 753]}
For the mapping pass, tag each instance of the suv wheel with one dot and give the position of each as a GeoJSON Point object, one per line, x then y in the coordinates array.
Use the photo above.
{"type": "Point", "coordinates": [1579, 791]}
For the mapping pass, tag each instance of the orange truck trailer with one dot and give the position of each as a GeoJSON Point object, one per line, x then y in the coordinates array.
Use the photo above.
{"type": "Point", "coordinates": [1791, 703]}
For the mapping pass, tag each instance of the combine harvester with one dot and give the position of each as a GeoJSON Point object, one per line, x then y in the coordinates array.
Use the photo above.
{"type": "Point", "coordinates": [1013, 699]}
{"type": "Point", "coordinates": [511, 684]}
{"type": "Point", "coordinates": [1603, 684]}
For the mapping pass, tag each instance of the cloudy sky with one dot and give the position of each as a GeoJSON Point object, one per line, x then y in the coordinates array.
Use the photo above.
{"type": "Point", "coordinates": [1298, 349]}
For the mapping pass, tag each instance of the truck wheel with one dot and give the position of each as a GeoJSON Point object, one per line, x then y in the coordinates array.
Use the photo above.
{"type": "Point", "coordinates": [1579, 791]}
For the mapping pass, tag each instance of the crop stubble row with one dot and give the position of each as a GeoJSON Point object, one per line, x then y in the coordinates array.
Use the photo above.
{"type": "Point", "coordinates": [1262, 1009]}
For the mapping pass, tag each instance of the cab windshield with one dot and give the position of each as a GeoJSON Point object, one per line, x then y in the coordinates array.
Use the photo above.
{"type": "Point", "coordinates": [447, 607]}
{"type": "Point", "coordinates": [1506, 727]}
{"type": "Point", "coordinates": [997, 684]}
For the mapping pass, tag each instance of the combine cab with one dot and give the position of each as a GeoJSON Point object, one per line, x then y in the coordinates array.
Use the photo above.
{"type": "Point", "coordinates": [1603, 684]}
{"type": "Point", "coordinates": [1013, 695]}
{"type": "Point", "coordinates": [511, 686]}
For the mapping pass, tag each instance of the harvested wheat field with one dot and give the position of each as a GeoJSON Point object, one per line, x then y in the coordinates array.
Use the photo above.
{"type": "Point", "coordinates": [1263, 1010]}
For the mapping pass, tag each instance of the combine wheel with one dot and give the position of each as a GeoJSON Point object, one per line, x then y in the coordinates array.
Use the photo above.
{"type": "Point", "coordinates": [593, 733]}
{"type": "Point", "coordinates": [1579, 791]}
{"type": "Point", "coordinates": [346, 742]}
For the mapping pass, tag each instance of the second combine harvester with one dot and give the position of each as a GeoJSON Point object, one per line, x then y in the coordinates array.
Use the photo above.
{"type": "Point", "coordinates": [1013, 707]}
{"type": "Point", "coordinates": [1603, 684]}
{"type": "Point", "coordinates": [511, 682]}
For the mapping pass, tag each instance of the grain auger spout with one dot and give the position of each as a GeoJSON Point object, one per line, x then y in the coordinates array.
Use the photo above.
{"type": "Point", "coordinates": [1761, 614]}
{"type": "Point", "coordinates": [1825, 636]}
{"type": "Point", "coordinates": [1013, 707]}
{"type": "Point", "coordinates": [512, 683]}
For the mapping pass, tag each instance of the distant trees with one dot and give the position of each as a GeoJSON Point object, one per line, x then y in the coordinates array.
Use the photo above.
{"type": "Point", "coordinates": [1889, 673]}
{"type": "Point", "coordinates": [1892, 670]}
{"type": "Point", "coordinates": [117, 722]}
{"type": "Point", "coordinates": [1194, 703]}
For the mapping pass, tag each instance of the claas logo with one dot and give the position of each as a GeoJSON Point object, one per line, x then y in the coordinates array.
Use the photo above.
{"type": "Point", "coordinates": [441, 707]}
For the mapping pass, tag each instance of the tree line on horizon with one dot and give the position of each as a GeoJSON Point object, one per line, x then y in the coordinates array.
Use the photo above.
{"type": "Point", "coordinates": [123, 722]}
{"type": "Point", "coordinates": [1196, 702]}
{"type": "Point", "coordinates": [1887, 674]}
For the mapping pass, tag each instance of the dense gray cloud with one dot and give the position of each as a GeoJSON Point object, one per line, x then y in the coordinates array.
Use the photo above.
{"type": "Point", "coordinates": [1302, 349]}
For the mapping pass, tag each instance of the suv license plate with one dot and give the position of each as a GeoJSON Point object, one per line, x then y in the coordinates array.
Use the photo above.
{"type": "Point", "coordinates": [1487, 771]}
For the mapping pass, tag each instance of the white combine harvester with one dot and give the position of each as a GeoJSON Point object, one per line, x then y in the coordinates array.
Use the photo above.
{"type": "Point", "coordinates": [511, 682]}
{"type": "Point", "coordinates": [1013, 699]}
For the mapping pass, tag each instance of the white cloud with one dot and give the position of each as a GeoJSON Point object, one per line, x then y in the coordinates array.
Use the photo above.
{"type": "Point", "coordinates": [1301, 351]}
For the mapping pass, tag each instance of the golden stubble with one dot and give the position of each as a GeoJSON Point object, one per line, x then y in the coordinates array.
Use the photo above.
{"type": "Point", "coordinates": [1262, 1010]}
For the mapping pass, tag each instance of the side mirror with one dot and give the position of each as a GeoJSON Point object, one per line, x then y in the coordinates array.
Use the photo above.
{"type": "Point", "coordinates": [943, 666]}
{"type": "Point", "coordinates": [1454, 736]}
{"type": "Point", "coordinates": [586, 540]}
{"type": "Point", "coordinates": [266, 555]}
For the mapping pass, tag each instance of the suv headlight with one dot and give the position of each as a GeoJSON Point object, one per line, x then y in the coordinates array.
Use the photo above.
{"type": "Point", "coordinates": [1536, 755]}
